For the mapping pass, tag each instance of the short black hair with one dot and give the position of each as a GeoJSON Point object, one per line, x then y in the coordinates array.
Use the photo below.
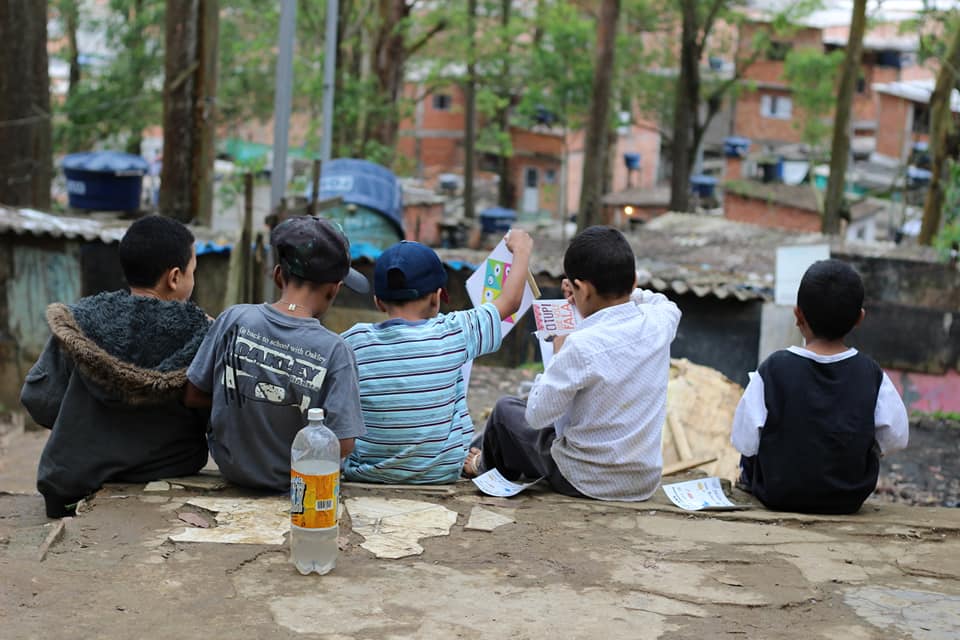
{"type": "Point", "coordinates": [831, 298]}
{"type": "Point", "coordinates": [602, 256]}
{"type": "Point", "coordinates": [152, 246]}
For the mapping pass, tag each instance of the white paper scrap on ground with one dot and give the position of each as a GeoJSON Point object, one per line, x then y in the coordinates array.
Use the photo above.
{"type": "Point", "coordinates": [486, 284]}
{"type": "Point", "coordinates": [392, 528]}
{"type": "Point", "coordinates": [157, 485]}
{"type": "Point", "coordinates": [493, 483]}
{"type": "Point", "coordinates": [241, 521]}
{"type": "Point", "coordinates": [486, 520]}
{"type": "Point", "coordinates": [695, 495]}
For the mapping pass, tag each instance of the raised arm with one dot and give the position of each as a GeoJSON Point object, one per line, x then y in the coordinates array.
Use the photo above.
{"type": "Point", "coordinates": [520, 245]}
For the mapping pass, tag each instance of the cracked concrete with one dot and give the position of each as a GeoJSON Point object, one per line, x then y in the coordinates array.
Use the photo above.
{"type": "Point", "coordinates": [563, 569]}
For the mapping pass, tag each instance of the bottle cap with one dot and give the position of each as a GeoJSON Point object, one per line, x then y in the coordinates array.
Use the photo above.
{"type": "Point", "coordinates": [315, 414]}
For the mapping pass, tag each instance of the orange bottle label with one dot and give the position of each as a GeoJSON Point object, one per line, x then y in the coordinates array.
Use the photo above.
{"type": "Point", "coordinates": [313, 500]}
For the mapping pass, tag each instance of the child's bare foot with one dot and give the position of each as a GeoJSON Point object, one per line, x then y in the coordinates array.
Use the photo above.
{"type": "Point", "coordinates": [471, 466]}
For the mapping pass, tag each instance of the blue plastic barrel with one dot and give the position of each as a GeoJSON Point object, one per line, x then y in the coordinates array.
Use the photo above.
{"type": "Point", "coordinates": [736, 147]}
{"type": "Point", "coordinates": [917, 177]}
{"type": "Point", "coordinates": [703, 185]}
{"type": "Point", "coordinates": [497, 219]}
{"type": "Point", "coordinates": [104, 180]}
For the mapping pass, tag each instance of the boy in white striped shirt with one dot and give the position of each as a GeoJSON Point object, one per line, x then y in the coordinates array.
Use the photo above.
{"type": "Point", "coordinates": [592, 424]}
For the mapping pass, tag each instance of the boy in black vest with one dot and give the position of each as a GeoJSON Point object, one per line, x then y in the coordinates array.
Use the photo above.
{"type": "Point", "coordinates": [814, 421]}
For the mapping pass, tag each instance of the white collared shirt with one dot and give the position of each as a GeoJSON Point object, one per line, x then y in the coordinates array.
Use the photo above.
{"type": "Point", "coordinates": [605, 392]}
{"type": "Point", "coordinates": [890, 415]}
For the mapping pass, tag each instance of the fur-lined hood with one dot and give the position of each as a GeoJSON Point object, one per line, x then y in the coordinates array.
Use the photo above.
{"type": "Point", "coordinates": [129, 348]}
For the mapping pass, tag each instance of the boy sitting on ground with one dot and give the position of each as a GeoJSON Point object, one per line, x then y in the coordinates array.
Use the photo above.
{"type": "Point", "coordinates": [592, 423]}
{"type": "Point", "coordinates": [814, 421]}
{"type": "Point", "coordinates": [263, 366]}
{"type": "Point", "coordinates": [109, 381]}
{"type": "Point", "coordinates": [411, 385]}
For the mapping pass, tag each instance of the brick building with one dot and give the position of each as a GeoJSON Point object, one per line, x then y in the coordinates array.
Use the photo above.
{"type": "Point", "coordinates": [432, 137]}
{"type": "Point", "coordinates": [766, 112]}
{"type": "Point", "coordinates": [903, 115]}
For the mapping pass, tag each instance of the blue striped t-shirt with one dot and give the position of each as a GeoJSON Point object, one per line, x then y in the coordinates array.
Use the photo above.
{"type": "Point", "coordinates": [413, 396]}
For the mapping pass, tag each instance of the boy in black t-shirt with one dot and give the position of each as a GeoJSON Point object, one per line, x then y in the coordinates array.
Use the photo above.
{"type": "Point", "coordinates": [814, 421]}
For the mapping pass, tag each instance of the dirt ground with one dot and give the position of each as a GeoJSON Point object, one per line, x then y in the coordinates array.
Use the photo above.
{"type": "Point", "coordinates": [564, 568]}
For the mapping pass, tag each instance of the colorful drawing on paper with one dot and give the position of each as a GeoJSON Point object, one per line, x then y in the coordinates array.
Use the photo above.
{"type": "Point", "coordinates": [486, 284]}
{"type": "Point", "coordinates": [497, 272]}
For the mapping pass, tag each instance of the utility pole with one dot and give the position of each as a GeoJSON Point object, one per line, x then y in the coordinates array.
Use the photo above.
{"type": "Point", "coordinates": [283, 101]}
{"type": "Point", "coordinates": [189, 99]}
{"type": "Point", "coordinates": [329, 79]}
{"type": "Point", "coordinates": [470, 133]}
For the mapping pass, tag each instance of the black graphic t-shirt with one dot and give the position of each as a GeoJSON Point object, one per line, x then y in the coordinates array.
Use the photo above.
{"type": "Point", "coordinates": [264, 370]}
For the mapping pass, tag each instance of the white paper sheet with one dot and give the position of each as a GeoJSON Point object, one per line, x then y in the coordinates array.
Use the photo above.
{"type": "Point", "coordinates": [493, 483]}
{"type": "Point", "coordinates": [695, 495]}
{"type": "Point", "coordinates": [486, 284]}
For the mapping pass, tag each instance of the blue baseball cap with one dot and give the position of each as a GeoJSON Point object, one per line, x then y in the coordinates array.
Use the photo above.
{"type": "Point", "coordinates": [408, 271]}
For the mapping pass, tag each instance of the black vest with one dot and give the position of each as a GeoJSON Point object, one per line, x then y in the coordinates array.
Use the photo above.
{"type": "Point", "coordinates": [818, 450]}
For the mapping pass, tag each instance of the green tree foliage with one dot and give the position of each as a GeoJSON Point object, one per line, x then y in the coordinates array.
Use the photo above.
{"type": "Point", "coordinates": [558, 72]}
{"type": "Point", "coordinates": [812, 76]}
{"type": "Point", "coordinates": [949, 235]}
{"type": "Point", "coordinates": [120, 96]}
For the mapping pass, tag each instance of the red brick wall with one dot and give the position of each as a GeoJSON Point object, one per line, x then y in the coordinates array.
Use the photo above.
{"type": "Point", "coordinates": [733, 169]}
{"type": "Point", "coordinates": [769, 214]}
{"type": "Point", "coordinates": [422, 223]}
{"type": "Point", "coordinates": [772, 70]}
{"type": "Point", "coordinates": [893, 134]}
{"type": "Point", "coordinates": [749, 123]}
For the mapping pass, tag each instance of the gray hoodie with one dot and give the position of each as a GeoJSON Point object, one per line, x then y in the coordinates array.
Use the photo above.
{"type": "Point", "coordinates": [109, 385]}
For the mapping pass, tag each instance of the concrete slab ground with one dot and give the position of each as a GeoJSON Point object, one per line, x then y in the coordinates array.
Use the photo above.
{"type": "Point", "coordinates": [565, 568]}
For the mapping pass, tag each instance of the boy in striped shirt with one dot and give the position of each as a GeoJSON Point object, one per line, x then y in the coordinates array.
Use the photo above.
{"type": "Point", "coordinates": [412, 391]}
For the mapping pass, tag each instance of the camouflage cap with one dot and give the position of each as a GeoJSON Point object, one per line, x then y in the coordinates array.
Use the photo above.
{"type": "Point", "coordinates": [315, 249]}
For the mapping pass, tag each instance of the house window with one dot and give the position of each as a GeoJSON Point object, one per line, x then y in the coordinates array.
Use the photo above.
{"type": "Point", "coordinates": [921, 118]}
{"type": "Point", "coordinates": [442, 102]}
{"type": "Point", "coordinates": [778, 50]}
{"type": "Point", "coordinates": [779, 107]}
{"type": "Point", "coordinates": [550, 176]}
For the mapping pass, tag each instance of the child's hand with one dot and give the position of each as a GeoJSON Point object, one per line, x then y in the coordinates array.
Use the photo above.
{"type": "Point", "coordinates": [518, 241]}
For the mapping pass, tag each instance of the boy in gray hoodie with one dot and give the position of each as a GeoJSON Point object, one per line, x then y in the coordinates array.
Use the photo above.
{"type": "Point", "coordinates": [110, 380]}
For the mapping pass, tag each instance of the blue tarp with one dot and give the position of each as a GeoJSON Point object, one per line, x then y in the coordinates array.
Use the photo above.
{"type": "Point", "coordinates": [365, 184]}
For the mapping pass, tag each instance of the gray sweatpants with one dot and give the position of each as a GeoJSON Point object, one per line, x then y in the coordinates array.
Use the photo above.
{"type": "Point", "coordinates": [516, 449]}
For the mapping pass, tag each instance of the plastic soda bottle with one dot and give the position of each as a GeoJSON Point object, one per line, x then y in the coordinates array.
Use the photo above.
{"type": "Point", "coordinates": [314, 494]}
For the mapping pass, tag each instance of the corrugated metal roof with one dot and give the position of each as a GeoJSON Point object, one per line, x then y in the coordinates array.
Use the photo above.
{"type": "Point", "coordinates": [38, 223]}
{"type": "Point", "coordinates": [102, 227]}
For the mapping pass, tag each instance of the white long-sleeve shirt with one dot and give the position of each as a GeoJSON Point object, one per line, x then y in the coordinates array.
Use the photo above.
{"type": "Point", "coordinates": [890, 415]}
{"type": "Point", "coordinates": [605, 392]}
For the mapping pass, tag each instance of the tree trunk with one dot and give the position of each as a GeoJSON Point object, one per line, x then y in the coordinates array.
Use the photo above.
{"type": "Point", "coordinates": [25, 128]}
{"type": "Point", "coordinates": [686, 107]}
{"type": "Point", "coordinates": [470, 115]}
{"type": "Point", "coordinates": [188, 115]}
{"type": "Point", "coordinates": [71, 23]}
{"type": "Point", "coordinates": [940, 117]}
{"type": "Point", "coordinates": [134, 43]}
{"type": "Point", "coordinates": [390, 57]}
{"type": "Point", "coordinates": [840, 148]}
{"type": "Point", "coordinates": [594, 148]}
